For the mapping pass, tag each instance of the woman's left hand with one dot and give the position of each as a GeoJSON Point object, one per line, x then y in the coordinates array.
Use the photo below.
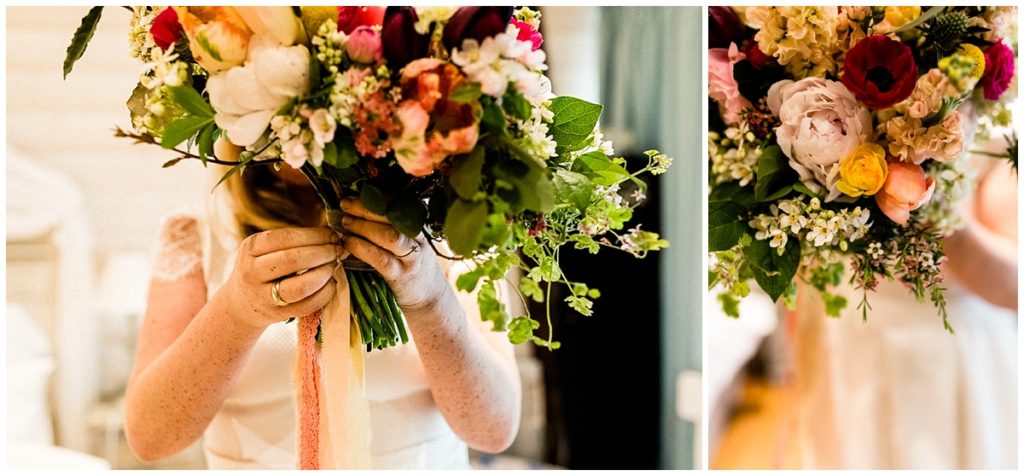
{"type": "Point", "coordinates": [408, 265]}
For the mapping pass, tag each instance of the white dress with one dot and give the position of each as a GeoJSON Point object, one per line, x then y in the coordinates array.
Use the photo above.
{"type": "Point", "coordinates": [900, 392]}
{"type": "Point", "coordinates": [256, 425]}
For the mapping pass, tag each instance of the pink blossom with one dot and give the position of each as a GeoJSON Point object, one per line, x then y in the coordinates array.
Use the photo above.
{"type": "Point", "coordinates": [722, 86]}
{"type": "Point", "coordinates": [527, 33]}
{"type": "Point", "coordinates": [364, 45]}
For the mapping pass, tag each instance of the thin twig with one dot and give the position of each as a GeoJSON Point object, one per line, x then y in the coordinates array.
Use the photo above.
{"type": "Point", "coordinates": [148, 139]}
{"type": "Point", "coordinates": [430, 242]}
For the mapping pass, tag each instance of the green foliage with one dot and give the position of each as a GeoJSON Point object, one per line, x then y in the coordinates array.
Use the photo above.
{"type": "Point", "coordinates": [373, 199]}
{"type": "Point", "coordinates": [521, 329]}
{"type": "Point", "coordinates": [80, 40]}
{"type": "Point", "coordinates": [191, 102]}
{"type": "Point", "coordinates": [599, 168]}
{"type": "Point", "coordinates": [575, 120]}
{"type": "Point", "coordinates": [466, 173]}
{"type": "Point", "coordinates": [491, 308]}
{"type": "Point", "coordinates": [407, 214]}
{"type": "Point", "coordinates": [531, 289]}
{"type": "Point", "coordinates": [182, 129]}
{"type": "Point", "coordinates": [465, 225]}
{"type": "Point", "coordinates": [574, 187]}
{"type": "Point", "coordinates": [772, 271]}
{"type": "Point", "coordinates": [465, 93]}
{"type": "Point", "coordinates": [725, 225]}
{"type": "Point", "coordinates": [775, 177]}
{"type": "Point", "coordinates": [516, 105]}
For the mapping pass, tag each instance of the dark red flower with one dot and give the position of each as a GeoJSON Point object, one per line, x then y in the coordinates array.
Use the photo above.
{"type": "Point", "coordinates": [724, 27]}
{"type": "Point", "coordinates": [756, 57]}
{"type": "Point", "coordinates": [476, 23]}
{"type": "Point", "coordinates": [880, 71]}
{"type": "Point", "coordinates": [999, 66]}
{"type": "Point", "coordinates": [402, 43]}
{"type": "Point", "coordinates": [350, 18]}
{"type": "Point", "coordinates": [165, 29]}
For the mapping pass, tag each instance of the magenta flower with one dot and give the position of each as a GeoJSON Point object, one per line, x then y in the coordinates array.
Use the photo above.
{"type": "Point", "coordinates": [528, 33]}
{"type": "Point", "coordinates": [999, 67]}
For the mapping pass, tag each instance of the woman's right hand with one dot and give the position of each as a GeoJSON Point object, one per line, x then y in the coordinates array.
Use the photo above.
{"type": "Point", "coordinates": [302, 259]}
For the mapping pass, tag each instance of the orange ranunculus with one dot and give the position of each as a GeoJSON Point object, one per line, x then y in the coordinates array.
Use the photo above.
{"type": "Point", "coordinates": [905, 190]}
{"type": "Point", "coordinates": [426, 85]}
{"type": "Point", "coordinates": [217, 36]}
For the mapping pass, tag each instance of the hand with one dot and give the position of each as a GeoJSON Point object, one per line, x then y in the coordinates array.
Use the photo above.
{"type": "Point", "coordinates": [302, 259]}
{"type": "Point", "coordinates": [408, 265]}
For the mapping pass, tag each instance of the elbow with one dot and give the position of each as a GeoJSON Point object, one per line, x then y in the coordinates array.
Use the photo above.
{"type": "Point", "coordinates": [495, 436]}
{"type": "Point", "coordinates": [148, 443]}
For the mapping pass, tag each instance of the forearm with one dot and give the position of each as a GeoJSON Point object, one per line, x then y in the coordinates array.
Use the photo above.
{"type": "Point", "coordinates": [475, 387]}
{"type": "Point", "coordinates": [984, 263]}
{"type": "Point", "coordinates": [169, 404]}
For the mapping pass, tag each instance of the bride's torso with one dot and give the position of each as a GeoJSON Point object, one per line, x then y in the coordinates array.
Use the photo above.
{"type": "Point", "coordinates": [256, 425]}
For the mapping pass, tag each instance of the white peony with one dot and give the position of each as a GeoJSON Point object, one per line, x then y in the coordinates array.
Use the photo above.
{"type": "Point", "coordinates": [822, 122]}
{"type": "Point", "coordinates": [278, 22]}
{"type": "Point", "coordinates": [246, 97]}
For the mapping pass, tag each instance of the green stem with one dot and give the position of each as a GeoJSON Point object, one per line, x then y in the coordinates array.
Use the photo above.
{"type": "Point", "coordinates": [365, 308]}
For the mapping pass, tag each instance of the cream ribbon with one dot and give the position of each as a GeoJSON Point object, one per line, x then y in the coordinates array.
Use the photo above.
{"type": "Point", "coordinates": [340, 412]}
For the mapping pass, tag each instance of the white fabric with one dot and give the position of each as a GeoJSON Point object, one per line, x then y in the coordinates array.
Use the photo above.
{"type": "Point", "coordinates": [256, 428]}
{"type": "Point", "coordinates": [902, 392]}
{"type": "Point", "coordinates": [29, 366]}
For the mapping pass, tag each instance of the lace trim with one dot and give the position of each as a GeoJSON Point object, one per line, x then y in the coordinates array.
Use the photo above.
{"type": "Point", "coordinates": [179, 248]}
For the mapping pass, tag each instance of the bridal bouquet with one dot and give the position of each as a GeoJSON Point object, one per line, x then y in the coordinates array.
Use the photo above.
{"type": "Point", "coordinates": [439, 118]}
{"type": "Point", "coordinates": [841, 132]}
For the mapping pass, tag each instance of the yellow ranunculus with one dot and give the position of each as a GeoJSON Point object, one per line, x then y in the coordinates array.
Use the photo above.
{"type": "Point", "coordinates": [899, 16]}
{"type": "Point", "coordinates": [863, 171]}
{"type": "Point", "coordinates": [217, 36]}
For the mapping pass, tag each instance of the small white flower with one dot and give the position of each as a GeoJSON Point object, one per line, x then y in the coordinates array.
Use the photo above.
{"type": "Point", "coordinates": [323, 126]}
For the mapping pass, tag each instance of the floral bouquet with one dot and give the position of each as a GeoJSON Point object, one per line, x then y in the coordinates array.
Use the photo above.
{"type": "Point", "coordinates": [840, 132]}
{"type": "Point", "coordinates": [440, 119]}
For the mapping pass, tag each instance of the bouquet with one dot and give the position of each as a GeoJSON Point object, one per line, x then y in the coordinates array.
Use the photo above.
{"type": "Point", "coordinates": [838, 137]}
{"type": "Point", "coordinates": [440, 119]}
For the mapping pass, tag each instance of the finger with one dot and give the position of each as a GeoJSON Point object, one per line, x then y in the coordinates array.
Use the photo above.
{"type": "Point", "coordinates": [313, 303]}
{"type": "Point", "coordinates": [283, 238]}
{"type": "Point", "coordinates": [273, 266]}
{"type": "Point", "coordinates": [378, 258]}
{"type": "Point", "coordinates": [355, 207]}
{"type": "Point", "coordinates": [380, 234]}
{"type": "Point", "coordinates": [297, 288]}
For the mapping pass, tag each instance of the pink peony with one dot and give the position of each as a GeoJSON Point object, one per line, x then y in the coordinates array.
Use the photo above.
{"type": "Point", "coordinates": [999, 67]}
{"type": "Point", "coordinates": [905, 190]}
{"type": "Point", "coordinates": [821, 123]}
{"type": "Point", "coordinates": [722, 86]}
{"type": "Point", "coordinates": [527, 33]}
{"type": "Point", "coordinates": [364, 45]}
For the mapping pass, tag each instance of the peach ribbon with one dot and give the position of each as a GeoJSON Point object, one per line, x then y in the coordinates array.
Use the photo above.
{"type": "Point", "coordinates": [333, 413]}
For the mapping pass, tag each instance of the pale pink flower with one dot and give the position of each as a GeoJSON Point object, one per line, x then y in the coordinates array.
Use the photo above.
{"type": "Point", "coordinates": [722, 85]}
{"type": "Point", "coordinates": [364, 45]}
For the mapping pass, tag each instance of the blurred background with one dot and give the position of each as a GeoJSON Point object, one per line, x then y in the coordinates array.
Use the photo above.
{"type": "Point", "coordinates": [83, 209]}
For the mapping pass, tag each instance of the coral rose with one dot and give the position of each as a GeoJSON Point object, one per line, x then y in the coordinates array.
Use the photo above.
{"type": "Point", "coordinates": [217, 36]}
{"type": "Point", "coordinates": [905, 190]}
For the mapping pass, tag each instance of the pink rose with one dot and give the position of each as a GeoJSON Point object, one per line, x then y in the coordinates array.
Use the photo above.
{"type": "Point", "coordinates": [905, 190]}
{"type": "Point", "coordinates": [722, 86]}
{"type": "Point", "coordinates": [364, 45]}
{"type": "Point", "coordinates": [821, 123]}
{"type": "Point", "coordinates": [999, 68]}
{"type": "Point", "coordinates": [527, 33]}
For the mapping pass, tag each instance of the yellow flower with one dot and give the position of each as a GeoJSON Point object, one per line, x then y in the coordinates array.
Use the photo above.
{"type": "Point", "coordinates": [976, 56]}
{"type": "Point", "coordinates": [217, 36]}
{"type": "Point", "coordinates": [863, 171]}
{"type": "Point", "coordinates": [899, 16]}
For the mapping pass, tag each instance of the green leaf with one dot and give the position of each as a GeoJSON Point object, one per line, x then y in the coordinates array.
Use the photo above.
{"type": "Point", "coordinates": [467, 281]}
{"type": "Point", "coordinates": [516, 105]}
{"type": "Point", "coordinates": [524, 185]}
{"type": "Point", "coordinates": [465, 176]}
{"type": "Point", "coordinates": [497, 230]}
{"type": "Point", "coordinates": [347, 154]}
{"type": "Point", "coordinates": [491, 308]}
{"type": "Point", "coordinates": [732, 192]}
{"type": "Point", "coordinates": [407, 214]}
{"type": "Point", "coordinates": [80, 40]}
{"type": "Point", "coordinates": [173, 162]}
{"type": "Point", "coordinates": [574, 122]}
{"type": "Point", "coordinates": [772, 170]}
{"type": "Point", "coordinates": [191, 102]}
{"type": "Point", "coordinates": [773, 272]}
{"type": "Point", "coordinates": [574, 188]}
{"type": "Point", "coordinates": [531, 289]}
{"type": "Point", "coordinates": [465, 93]}
{"type": "Point", "coordinates": [234, 170]}
{"type": "Point", "coordinates": [521, 329]}
{"type": "Point", "coordinates": [373, 199]}
{"type": "Point", "coordinates": [182, 129]}
{"type": "Point", "coordinates": [602, 170]}
{"type": "Point", "coordinates": [205, 142]}
{"type": "Point", "coordinates": [493, 118]}
{"type": "Point", "coordinates": [331, 154]}
{"type": "Point", "coordinates": [464, 225]}
{"type": "Point", "coordinates": [725, 225]}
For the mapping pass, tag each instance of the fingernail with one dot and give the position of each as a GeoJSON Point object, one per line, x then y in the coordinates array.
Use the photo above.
{"type": "Point", "coordinates": [346, 203]}
{"type": "Point", "coordinates": [347, 220]}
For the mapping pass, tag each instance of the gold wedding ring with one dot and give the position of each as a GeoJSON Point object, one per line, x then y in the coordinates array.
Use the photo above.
{"type": "Point", "coordinates": [275, 294]}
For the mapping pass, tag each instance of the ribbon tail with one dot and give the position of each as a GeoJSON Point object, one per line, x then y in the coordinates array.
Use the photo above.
{"type": "Point", "coordinates": [345, 413]}
{"type": "Point", "coordinates": [308, 398]}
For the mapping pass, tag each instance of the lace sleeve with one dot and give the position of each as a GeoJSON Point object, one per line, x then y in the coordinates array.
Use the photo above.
{"type": "Point", "coordinates": [179, 248]}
